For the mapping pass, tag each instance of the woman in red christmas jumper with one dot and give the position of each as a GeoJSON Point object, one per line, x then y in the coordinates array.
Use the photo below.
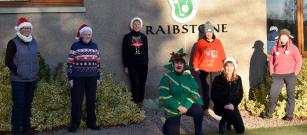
{"type": "Point", "coordinates": [208, 61]}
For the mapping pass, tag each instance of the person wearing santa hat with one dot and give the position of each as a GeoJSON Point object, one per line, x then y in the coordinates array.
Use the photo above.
{"type": "Point", "coordinates": [83, 70]}
{"type": "Point", "coordinates": [135, 59]}
{"type": "Point", "coordinates": [22, 60]}
{"type": "Point", "coordinates": [285, 64]}
{"type": "Point", "coordinates": [226, 94]}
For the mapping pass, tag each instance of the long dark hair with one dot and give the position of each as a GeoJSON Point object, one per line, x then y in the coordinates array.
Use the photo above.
{"type": "Point", "coordinates": [234, 75]}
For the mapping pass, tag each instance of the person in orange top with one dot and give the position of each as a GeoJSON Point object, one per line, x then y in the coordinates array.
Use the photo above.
{"type": "Point", "coordinates": [208, 61]}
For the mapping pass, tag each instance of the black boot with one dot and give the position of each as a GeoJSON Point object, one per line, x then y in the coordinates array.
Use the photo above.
{"type": "Point", "coordinates": [29, 131]}
{"type": "Point", "coordinates": [222, 127]}
{"type": "Point", "coordinates": [72, 129]}
{"type": "Point", "coordinates": [94, 127]}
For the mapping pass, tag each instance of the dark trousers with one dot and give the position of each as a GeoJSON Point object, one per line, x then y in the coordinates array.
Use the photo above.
{"type": "Point", "coordinates": [234, 118]}
{"type": "Point", "coordinates": [206, 79]}
{"type": "Point", "coordinates": [278, 81]}
{"type": "Point", "coordinates": [87, 85]}
{"type": "Point", "coordinates": [22, 95]}
{"type": "Point", "coordinates": [172, 125]}
{"type": "Point", "coordinates": [138, 76]}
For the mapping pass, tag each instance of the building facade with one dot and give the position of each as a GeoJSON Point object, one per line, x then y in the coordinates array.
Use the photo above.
{"type": "Point", "coordinates": [241, 25]}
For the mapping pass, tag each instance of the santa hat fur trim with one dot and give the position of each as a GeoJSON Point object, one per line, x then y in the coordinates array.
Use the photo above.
{"type": "Point", "coordinates": [22, 22]}
{"type": "Point", "coordinates": [134, 19]}
{"type": "Point", "coordinates": [83, 28]}
{"type": "Point", "coordinates": [232, 60]}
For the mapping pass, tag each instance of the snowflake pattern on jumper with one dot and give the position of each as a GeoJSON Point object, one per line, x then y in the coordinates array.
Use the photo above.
{"type": "Point", "coordinates": [83, 61]}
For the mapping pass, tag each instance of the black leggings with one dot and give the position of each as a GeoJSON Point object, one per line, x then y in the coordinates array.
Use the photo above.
{"type": "Point", "coordinates": [206, 79]}
{"type": "Point", "coordinates": [172, 125]}
{"type": "Point", "coordinates": [138, 76]}
{"type": "Point", "coordinates": [233, 117]}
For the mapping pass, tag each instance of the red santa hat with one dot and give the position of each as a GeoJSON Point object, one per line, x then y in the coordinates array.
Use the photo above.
{"type": "Point", "coordinates": [136, 19]}
{"type": "Point", "coordinates": [22, 22]}
{"type": "Point", "coordinates": [232, 60]}
{"type": "Point", "coordinates": [83, 28]}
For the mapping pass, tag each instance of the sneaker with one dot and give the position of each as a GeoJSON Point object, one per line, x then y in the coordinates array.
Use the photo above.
{"type": "Point", "coordinates": [287, 118]}
{"type": "Point", "coordinates": [266, 116]}
{"type": "Point", "coordinates": [228, 126]}
{"type": "Point", "coordinates": [206, 112]}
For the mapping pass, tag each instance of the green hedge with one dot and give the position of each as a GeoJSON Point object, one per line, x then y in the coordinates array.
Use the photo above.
{"type": "Point", "coordinates": [258, 102]}
{"type": "Point", "coordinates": [51, 104]}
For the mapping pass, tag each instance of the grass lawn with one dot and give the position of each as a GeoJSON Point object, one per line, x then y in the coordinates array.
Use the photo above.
{"type": "Point", "coordinates": [291, 130]}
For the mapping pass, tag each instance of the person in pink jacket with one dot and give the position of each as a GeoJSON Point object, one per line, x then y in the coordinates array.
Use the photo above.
{"type": "Point", "coordinates": [285, 64]}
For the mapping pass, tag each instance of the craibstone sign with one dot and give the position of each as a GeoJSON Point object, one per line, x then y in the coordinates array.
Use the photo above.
{"type": "Point", "coordinates": [182, 11]}
{"type": "Point", "coordinates": [180, 29]}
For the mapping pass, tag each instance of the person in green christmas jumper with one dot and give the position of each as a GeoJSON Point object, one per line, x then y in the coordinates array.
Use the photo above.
{"type": "Point", "coordinates": [179, 95]}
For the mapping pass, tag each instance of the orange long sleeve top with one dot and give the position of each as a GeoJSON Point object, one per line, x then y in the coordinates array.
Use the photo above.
{"type": "Point", "coordinates": [208, 56]}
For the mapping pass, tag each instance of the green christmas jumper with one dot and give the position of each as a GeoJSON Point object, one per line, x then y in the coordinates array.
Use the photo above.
{"type": "Point", "coordinates": [178, 89]}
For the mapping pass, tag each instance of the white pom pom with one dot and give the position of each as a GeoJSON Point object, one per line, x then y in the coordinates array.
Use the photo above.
{"type": "Point", "coordinates": [287, 52]}
{"type": "Point", "coordinates": [276, 53]}
{"type": "Point", "coordinates": [187, 72]}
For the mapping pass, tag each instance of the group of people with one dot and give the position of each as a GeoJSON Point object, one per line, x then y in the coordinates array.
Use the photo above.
{"type": "Point", "coordinates": [83, 71]}
{"type": "Point", "coordinates": [179, 91]}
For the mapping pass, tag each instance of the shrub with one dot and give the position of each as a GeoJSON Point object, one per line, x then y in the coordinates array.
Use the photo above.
{"type": "Point", "coordinates": [258, 102]}
{"type": "Point", "coordinates": [51, 103]}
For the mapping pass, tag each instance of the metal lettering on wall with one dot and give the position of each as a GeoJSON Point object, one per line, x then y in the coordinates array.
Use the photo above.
{"type": "Point", "coordinates": [180, 29]}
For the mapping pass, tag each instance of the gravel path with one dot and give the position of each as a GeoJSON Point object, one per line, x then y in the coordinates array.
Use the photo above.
{"type": "Point", "coordinates": [146, 127]}
{"type": "Point", "coordinates": [257, 122]}
{"type": "Point", "coordinates": [210, 123]}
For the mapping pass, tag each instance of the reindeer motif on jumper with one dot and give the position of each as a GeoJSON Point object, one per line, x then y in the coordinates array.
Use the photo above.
{"type": "Point", "coordinates": [137, 44]}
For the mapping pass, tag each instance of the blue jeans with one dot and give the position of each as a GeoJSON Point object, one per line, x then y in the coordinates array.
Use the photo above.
{"type": "Point", "coordinates": [22, 95]}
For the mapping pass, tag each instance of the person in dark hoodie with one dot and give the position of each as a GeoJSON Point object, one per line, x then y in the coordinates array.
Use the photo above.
{"type": "Point", "coordinates": [135, 59]}
{"type": "Point", "coordinates": [227, 93]}
{"type": "Point", "coordinates": [83, 71]}
{"type": "Point", "coordinates": [22, 60]}
{"type": "Point", "coordinates": [273, 33]}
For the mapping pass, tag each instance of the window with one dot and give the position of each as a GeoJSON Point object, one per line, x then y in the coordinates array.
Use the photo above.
{"type": "Point", "coordinates": [33, 3]}
{"type": "Point", "coordinates": [290, 14]}
{"type": "Point", "coordinates": [281, 14]}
